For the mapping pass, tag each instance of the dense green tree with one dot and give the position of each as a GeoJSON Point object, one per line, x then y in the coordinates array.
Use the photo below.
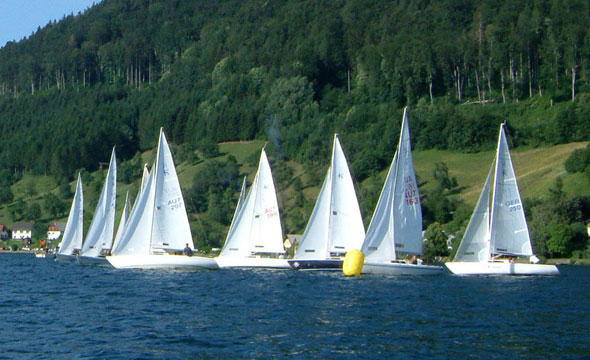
{"type": "Point", "coordinates": [65, 191]}
{"type": "Point", "coordinates": [33, 211]}
{"type": "Point", "coordinates": [437, 205]}
{"type": "Point", "coordinates": [30, 188]}
{"type": "Point", "coordinates": [53, 205]}
{"type": "Point", "coordinates": [559, 239]}
{"type": "Point", "coordinates": [17, 210]}
{"type": "Point", "coordinates": [6, 195]}
{"type": "Point", "coordinates": [435, 243]}
{"type": "Point", "coordinates": [578, 160]}
{"type": "Point", "coordinates": [6, 178]}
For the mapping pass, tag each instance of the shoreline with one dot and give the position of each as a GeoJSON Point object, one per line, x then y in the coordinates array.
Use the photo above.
{"type": "Point", "coordinates": [565, 261]}
{"type": "Point", "coordinates": [555, 261]}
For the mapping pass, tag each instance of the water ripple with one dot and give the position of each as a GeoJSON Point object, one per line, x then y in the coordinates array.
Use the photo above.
{"type": "Point", "coordinates": [52, 310]}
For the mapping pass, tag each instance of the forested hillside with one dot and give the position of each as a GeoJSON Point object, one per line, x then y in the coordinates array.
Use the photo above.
{"type": "Point", "coordinates": [292, 73]}
{"type": "Point", "coordinates": [295, 70]}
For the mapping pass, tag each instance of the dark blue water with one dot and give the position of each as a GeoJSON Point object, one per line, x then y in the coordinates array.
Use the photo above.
{"type": "Point", "coordinates": [52, 310]}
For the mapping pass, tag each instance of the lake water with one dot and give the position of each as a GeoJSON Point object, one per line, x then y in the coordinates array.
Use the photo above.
{"type": "Point", "coordinates": [52, 310]}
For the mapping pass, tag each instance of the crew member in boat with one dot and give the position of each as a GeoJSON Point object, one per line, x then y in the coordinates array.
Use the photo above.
{"type": "Point", "coordinates": [416, 260]}
{"type": "Point", "coordinates": [187, 251]}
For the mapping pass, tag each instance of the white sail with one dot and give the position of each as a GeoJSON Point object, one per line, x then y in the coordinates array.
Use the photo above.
{"type": "Point", "coordinates": [314, 243]}
{"type": "Point", "coordinates": [72, 237]}
{"type": "Point", "coordinates": [144, 179]}
{"type": "Point", "coordinates": [100, 233]}
{"type": "Point", "coordinates": [258, 225]}
{"type": "Point", "coordinates": [408, 222]}
{"type": "Point", "coordinates": [475, 245]}
{"type": "Point", "coordinates": [336, 225]}
{"type": "Point", "coordinates": [136, 237]}
{"type": "Point", "coordinates": [396, 225]}
{"type": "Point", "coordinates": [234, 220]}
{"type": "Point", "coordinates": [379, 243]}
{"type": "Point", "coordinates": [123, 221]}
{"type": "Point", "coordinates": [509, 233]}
{"type": "Point", "coordinates": [171, 229]}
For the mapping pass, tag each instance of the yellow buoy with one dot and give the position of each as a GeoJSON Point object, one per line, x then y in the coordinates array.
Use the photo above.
{"type": "Point", "coordinates": [353, 263]}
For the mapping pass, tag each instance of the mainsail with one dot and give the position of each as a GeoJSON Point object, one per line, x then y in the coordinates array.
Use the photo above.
{"type": "Point", "coordinates": [509, 233]}
{"type": "Point", "coordinates": [171, 228]}
{"type": "Point", "coordinates": [72, 237]}
{"type": "Point", "coordinates": [100, 233]}
{"type": "Point", "coordinates": [335, 225]}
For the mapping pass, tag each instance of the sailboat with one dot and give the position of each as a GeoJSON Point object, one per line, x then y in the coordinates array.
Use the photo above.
{"type": "Point", "coordinates": [335, 225]}
{"type": "Point", "coordinates": [72, 238]}
{"type": "Point", "coordinates": [255, 239]}
{"type": "Point", "coordinates": [99, 238]}
{"type": "Point", "coordinates": [396, 225]}
{"type": "Point", "coordinates": [497, 232]}
{"type": "Point", "coordinates": [158, 227]}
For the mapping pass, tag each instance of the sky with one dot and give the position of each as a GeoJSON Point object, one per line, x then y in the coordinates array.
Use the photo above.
{"type": "Point", "coordinates": [20, 18]}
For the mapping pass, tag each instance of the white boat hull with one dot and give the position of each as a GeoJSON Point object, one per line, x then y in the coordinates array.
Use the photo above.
{"type": "Point", "coordinates": [500, 268]}
{"type": "Point", "coordinates": [400, 269]}
{"type": "Point", "coordinates": [42, 255]}
{"type": "Point", "coordinates": [164, 261]}
{"type": "Point", "coordinates": [251, 262]}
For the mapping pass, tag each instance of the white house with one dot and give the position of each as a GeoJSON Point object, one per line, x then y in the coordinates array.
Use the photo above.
{"type": "Point", "coordinates": [22, 230]}
{"type": "Point", "coordinates": [55, 230]}
{"type": "Point", "coordinates": [4, 232]}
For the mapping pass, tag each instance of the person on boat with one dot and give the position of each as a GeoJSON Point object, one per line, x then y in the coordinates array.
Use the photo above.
{"type": "Point", "coordinates": [187, 251]}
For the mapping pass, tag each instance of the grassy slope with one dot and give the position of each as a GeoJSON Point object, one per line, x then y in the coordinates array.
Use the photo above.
{"type": "Point", "coordinates": [536, 170]}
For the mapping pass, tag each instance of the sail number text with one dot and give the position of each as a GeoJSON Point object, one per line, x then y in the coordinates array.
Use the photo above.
{"type": "Point", "coordinates": [411, 193]}
{"type": "Point", "coordinates": [174, 204]}
{"type": "Point", "coordinates": [270, 212]}
{"type": "Point", "coordinates": [513, 205]}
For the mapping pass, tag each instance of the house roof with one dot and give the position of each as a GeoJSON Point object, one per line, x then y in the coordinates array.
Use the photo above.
{"type": "Point", "coordinates": [22, 226]}
{"type": "Point", "coordinates": [57, 226]}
